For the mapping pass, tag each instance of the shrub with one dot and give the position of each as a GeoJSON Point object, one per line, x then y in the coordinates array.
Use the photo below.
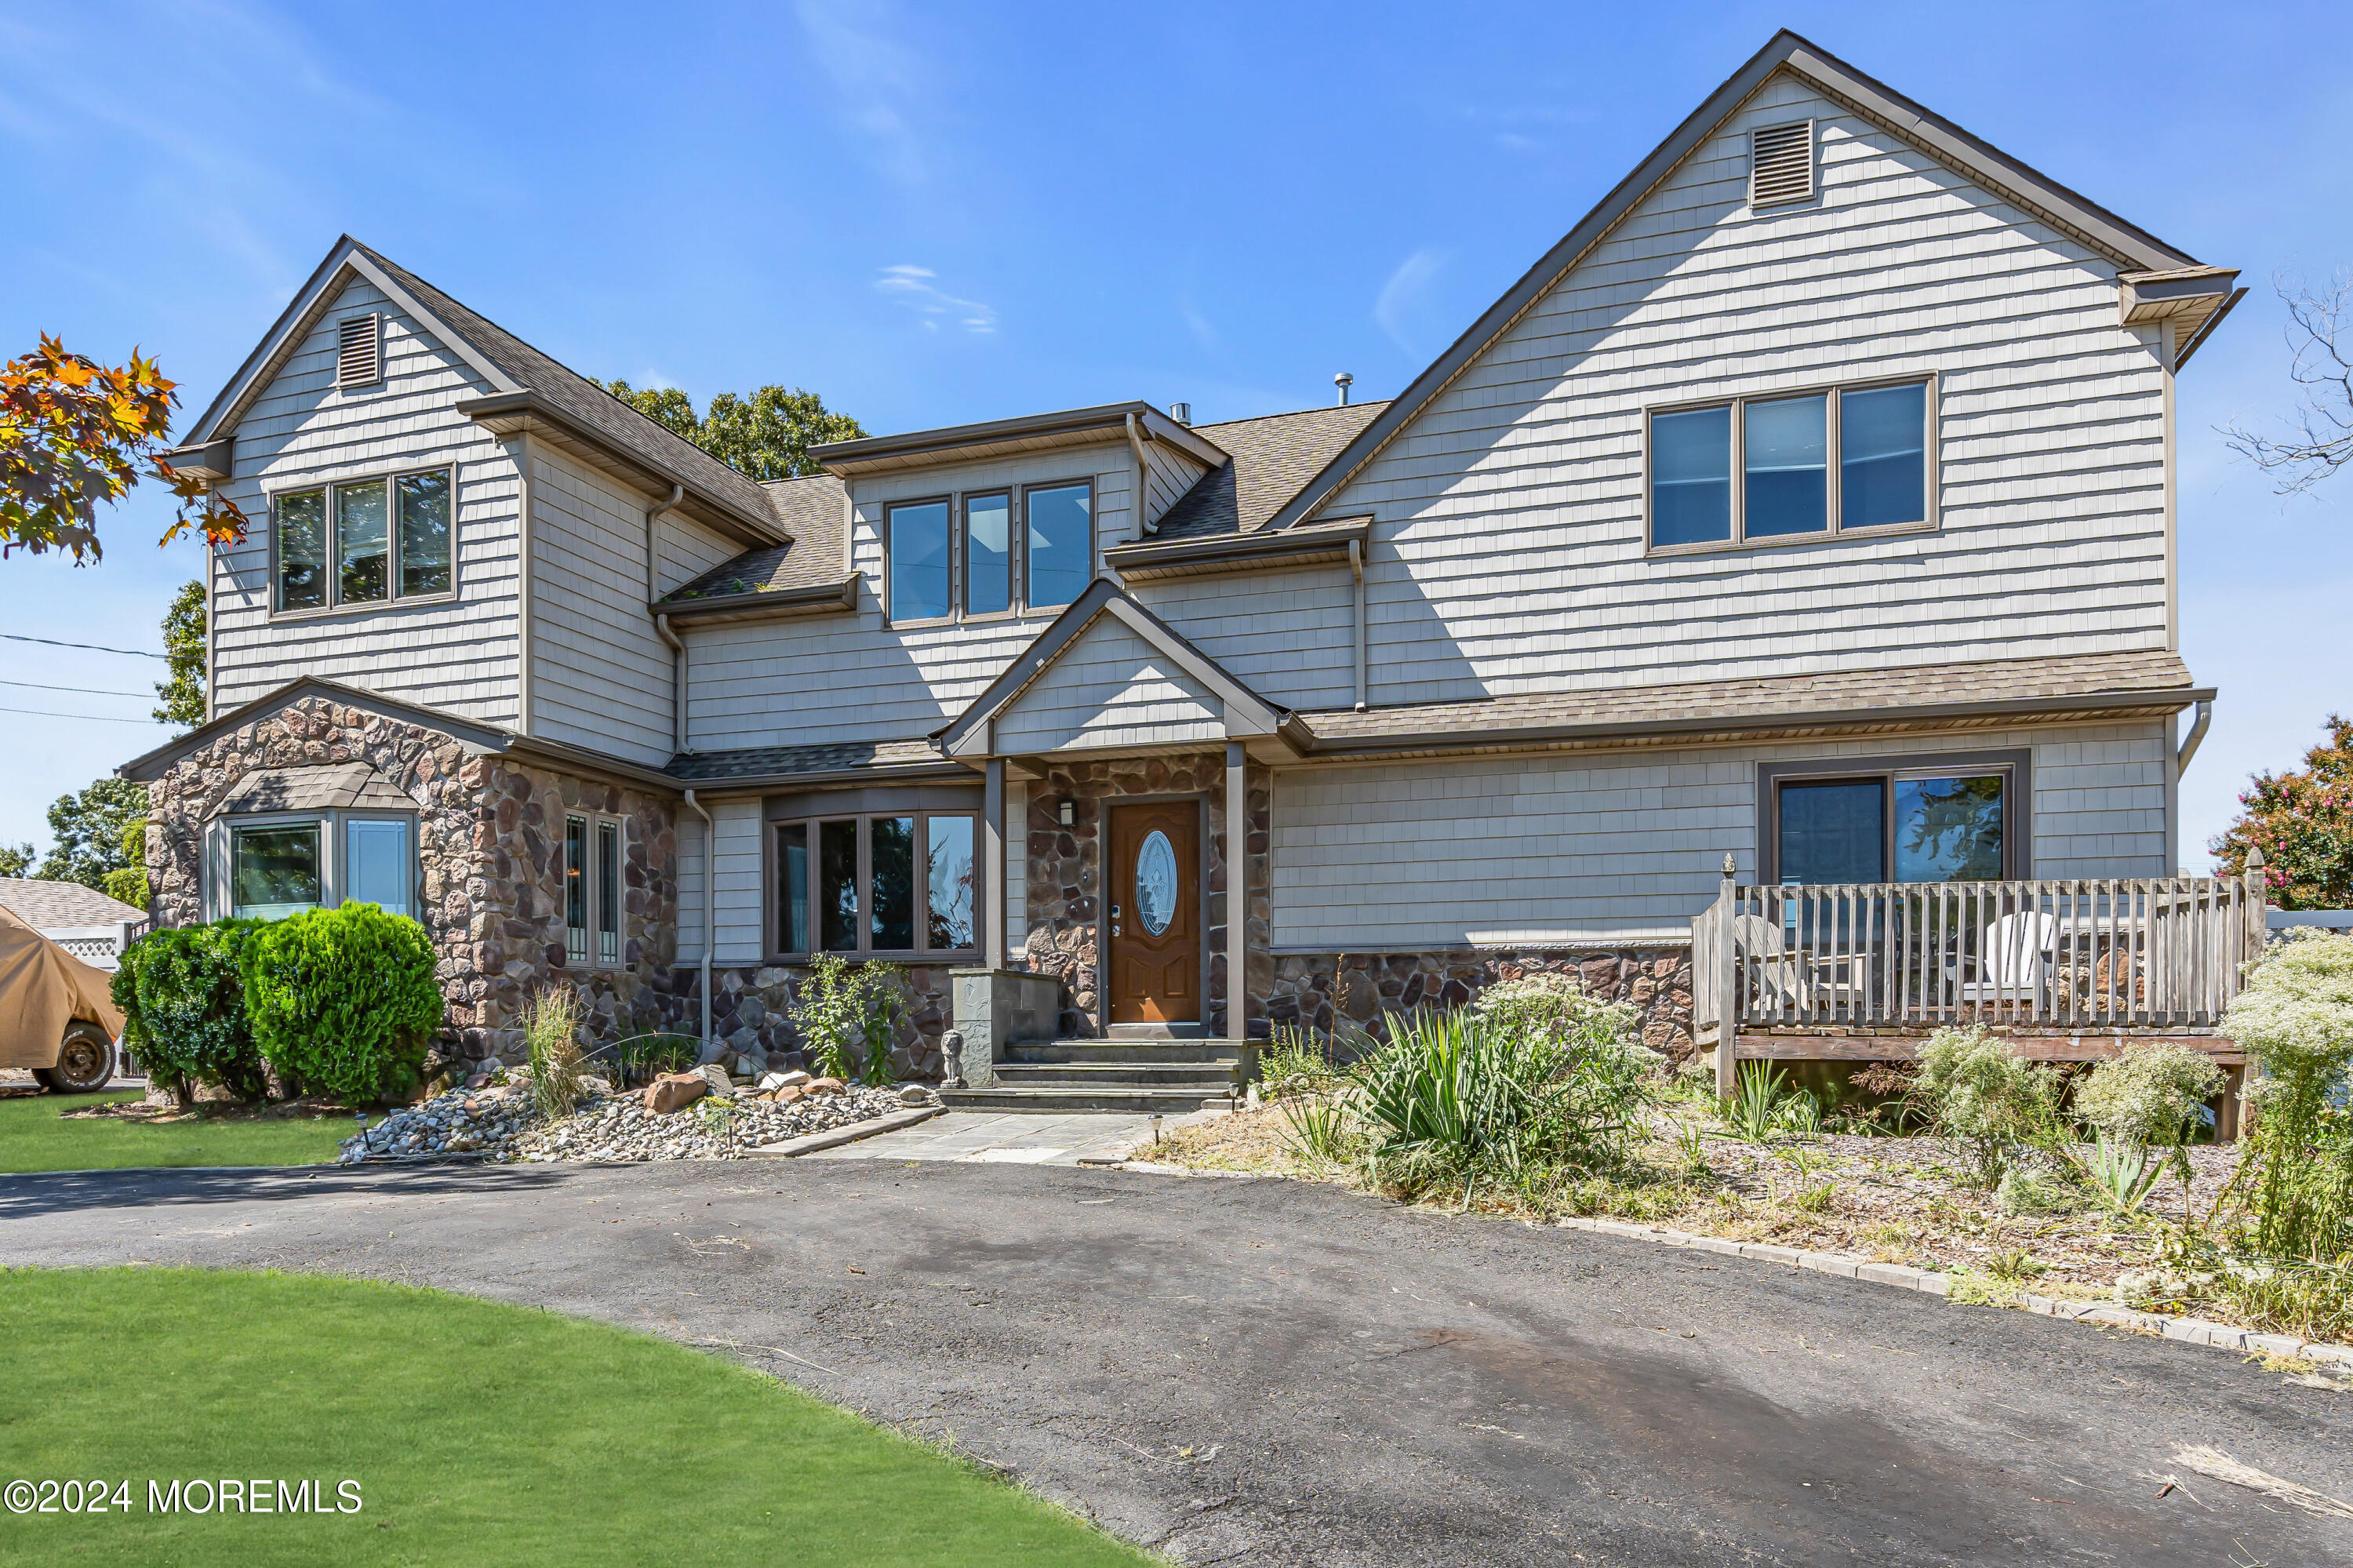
{"type": "Point", "coordinates": [2151, 1097]}
{"type": "Point", "coordinates": [182, 993]}
{"type": "Point", "coordinates": [844, 1007]}
{"type": "Point", "coordinates": [1462, 1095]}
{"type": "Point", "coordinates": [1295, 1062]}
{"type": "Point", "coordinates": [2296, 1018]}
{"type": "Point", "coordinates": [1986, 1102]}
{"type": "Point", "coordinates": [344, 999]}
{"type": "Point", "coordinates": [551, 1038]}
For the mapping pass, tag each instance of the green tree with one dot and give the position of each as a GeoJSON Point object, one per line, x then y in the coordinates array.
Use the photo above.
{"type": "Point", "coordinates": [766, 436]}
{"type": "Point", "coordinates": [15, 859]}
{"type": "Point", "coordinates": [89, 830]}
{"type": "Point", "coordinates": [130, 882]}
{"type": "Point", "coordinates": [73, 433]}
{"type": "Point", "coordinates": [2303, 821]}
{"type": "Point", "coordinates": [183, 646]}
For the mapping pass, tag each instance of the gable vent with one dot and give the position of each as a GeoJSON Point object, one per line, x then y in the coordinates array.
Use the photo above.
{"type": "Point", "coordinates": [1781, 163]}
{"type": "Point", "coordinates": [359, 353]}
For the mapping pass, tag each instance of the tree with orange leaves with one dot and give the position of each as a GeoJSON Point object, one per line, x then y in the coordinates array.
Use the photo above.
{"type": "Point", "coordinates": [74, 433]}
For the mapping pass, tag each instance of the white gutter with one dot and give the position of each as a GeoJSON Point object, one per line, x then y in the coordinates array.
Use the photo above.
{"type": "Point", "coordinates": [523, 573]}
{"type": "Point", "coordinates": [661, 625]}
{"type": "Point", "coordinates": [709, 905]}
{"type": "Point", "coordinates": [1356, 568]}
{"type": "Point", "coordinates": [2197, 727]}
{"type": "Point", "coordinates": [1141, 501]}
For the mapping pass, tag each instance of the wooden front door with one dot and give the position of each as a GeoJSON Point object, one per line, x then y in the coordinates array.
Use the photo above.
{"type": "Point", "coordinates": [1155, 913]}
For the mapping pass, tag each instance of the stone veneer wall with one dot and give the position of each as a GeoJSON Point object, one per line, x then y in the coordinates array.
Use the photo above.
{"type": "Point", "coordinates": [1656, 980]}
{"type": "Point", "coordinates": [490, 851]}
{"type": "Point", "coordinates": [750, 1013]}
{"type": "Point", "coordinates": [1065, 898]}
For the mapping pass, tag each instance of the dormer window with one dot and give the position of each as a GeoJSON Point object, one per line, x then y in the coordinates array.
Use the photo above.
{"type": "Point", "coordinates": [987, 552]}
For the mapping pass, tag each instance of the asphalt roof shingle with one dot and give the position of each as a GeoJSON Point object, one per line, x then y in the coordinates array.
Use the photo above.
{"type": "Point", "coordinates": [812, 512]}
{"type": "Point", "coordinates": [1272, 459]}
{"type": "Point", "coordinates": [61, 906]}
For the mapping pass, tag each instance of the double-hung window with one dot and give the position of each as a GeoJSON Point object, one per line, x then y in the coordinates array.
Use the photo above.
{"type": "Point", "coordinates": [987, 552]}
{"type": "Point", "coordinates": [282, 865]}
{"type": "Point", "coordinates": [1844, 459]}
{"type": "Point", "coordinates": [368, 541]}
{"type": "Point", "coordinates": [890, 884]}
{"type": "Point", "coordinates": [593, 868]}
{"type": "Point", "coordinates": [1923, 819]}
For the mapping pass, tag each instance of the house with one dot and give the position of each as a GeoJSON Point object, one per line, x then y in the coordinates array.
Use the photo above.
{"type": "Point", "coordinates": [90, 925]}
{"type": "Point", "coordinates": [1812, 501]}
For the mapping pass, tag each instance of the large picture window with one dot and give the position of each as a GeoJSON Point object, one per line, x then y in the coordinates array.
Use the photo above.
{"type": "Point", "coordinates": [1766, 469]}
{"type": "Point", "coordinates": [364, 542]}
{"type": "Point", "coordinates": [985, 553]}
{"type": "Point", "coordinates": [1923, 819]}
{"type": "Point", "coordinates": [896, 884]}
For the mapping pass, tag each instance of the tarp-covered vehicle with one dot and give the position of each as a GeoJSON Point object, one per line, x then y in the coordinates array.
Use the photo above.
{"type": "Point", "coordinates": [55, 1015]}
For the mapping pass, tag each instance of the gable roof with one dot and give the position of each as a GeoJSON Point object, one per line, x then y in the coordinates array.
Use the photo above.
{"type": "Point", "coordinates": [1268, 461]}
{"type": "Point", "coordinates": [154, 764]}
{"type": "Point", "coordinates": [522, 381]}
{"type": "Point", "coordinates": [2131, 248]}
{"type": "Point", "coordinates": [62, 905]}
{"type": "Point", "coordinates": [814, 508]}
{"type": "Point", "coordinates": [1246, 712]}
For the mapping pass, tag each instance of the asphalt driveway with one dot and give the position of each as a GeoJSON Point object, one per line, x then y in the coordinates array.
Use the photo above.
{"type": "Point", "coordinates": [1268, 1372]}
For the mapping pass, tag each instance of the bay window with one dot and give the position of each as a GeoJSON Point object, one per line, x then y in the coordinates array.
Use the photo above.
{"type": "Point", "coordinates": [363, 542]}
{"type": "Point", "coordinates": [896, 883]}
{"type": "Point", "coordinates": [1843, 460]}
{"type": "Point", "coordinates": [277, 865]}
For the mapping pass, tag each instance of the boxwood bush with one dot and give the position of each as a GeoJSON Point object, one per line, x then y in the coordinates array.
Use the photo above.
{"type": "Point", "coordinates": [344, 999]}
{"type": "Point", "coordinates": [182, 993]}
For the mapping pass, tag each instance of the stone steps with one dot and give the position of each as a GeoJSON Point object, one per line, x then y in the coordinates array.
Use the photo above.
{"type": "Point", "coordinates": [1064, 1099]}
{"type": "Point", "coordinates": [1155, 1073]}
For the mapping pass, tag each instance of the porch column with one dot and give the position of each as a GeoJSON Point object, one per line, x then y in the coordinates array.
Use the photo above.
{"type": "Point", "coordinates": [1237, 893]}
{"type": "Point", "coordinates": [992, 860]}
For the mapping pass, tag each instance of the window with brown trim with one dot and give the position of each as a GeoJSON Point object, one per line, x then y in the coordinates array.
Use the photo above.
{"type": "Point", "coordinates": [878, 885]}
{"type": "Point", "coordinates": [1003, 550]}
{"type": "Point", "coordinates": [363, 542]}
{"type": "Point", "coordinates": [1786, 467]}
{"type": "Point", "coordinates": [1916, 819]}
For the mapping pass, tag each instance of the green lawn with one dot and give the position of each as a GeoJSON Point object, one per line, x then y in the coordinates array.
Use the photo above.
{"type": "Point", "coordinates": [477, 1433]}
{"type": "Point", "coordinates": [33, 1137]}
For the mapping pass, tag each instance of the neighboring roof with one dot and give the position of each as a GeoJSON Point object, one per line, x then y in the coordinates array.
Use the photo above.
{"type": "Point", "coordinates": [323, 787]}
{"type": "Point", "coordinates": [516, 373]}
{"type": "Point", "coordinates": [1246, 711]}
{"type": "Point", "coordinates": [1011, 437]}
{"type": "Point", "coordinates": [1990, 692]}
{"type": "Point", "coordinates": [812, 509]}
{"type": "Point", "coordinates": [1271, 459]}
{"type": "Point", "coordinates": [833, 761]}
{"type": "Point", "coordinates": [62, 905]}
{"type": "Point", "coordinates": [2131, 248]}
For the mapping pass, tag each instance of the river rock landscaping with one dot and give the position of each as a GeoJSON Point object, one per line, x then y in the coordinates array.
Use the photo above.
{"type": "Point", "coordinates": [501, 1121]}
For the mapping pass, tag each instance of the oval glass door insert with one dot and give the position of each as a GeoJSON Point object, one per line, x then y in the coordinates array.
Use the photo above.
{"type": "Point", "coordinates": [1156, 883]}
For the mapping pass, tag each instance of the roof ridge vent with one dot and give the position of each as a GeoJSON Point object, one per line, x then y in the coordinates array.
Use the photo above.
{"type": "Point", "coordinates": [359, 351]}
{"type": "Point", "coordinates": [1781, 163]}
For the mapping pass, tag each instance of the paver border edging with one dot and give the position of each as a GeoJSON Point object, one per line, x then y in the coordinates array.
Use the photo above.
{"type": "Point", "coordinates": [2164, 1325]}
{"type": "Point", "coordinates": [810, 1142]}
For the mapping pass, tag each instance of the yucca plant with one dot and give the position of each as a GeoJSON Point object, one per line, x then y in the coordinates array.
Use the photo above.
{"type": "Point", "coordinates": [2122, 1174]}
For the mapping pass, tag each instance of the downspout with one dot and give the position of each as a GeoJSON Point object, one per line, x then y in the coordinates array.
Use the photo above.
{"type": "Point", "coordinates": [710, 906]}
{"type": "Point", "coordinates": [1143, 501]}
{"type": "Point", "coordinates": [2197, 727]}
{"type": "Point", "coordinates": [661, 626]}
{"type": "Point", "coordinates": [1356, 569]}
{"type": "Point", "coordinates": [523, 571]}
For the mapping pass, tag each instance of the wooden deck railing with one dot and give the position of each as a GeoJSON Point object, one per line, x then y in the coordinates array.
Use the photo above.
{"type": "Point", "coordinates": [2142, 954]}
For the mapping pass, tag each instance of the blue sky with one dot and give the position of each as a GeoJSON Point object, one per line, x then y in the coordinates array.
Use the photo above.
{"type": "Point", "coordinates": [933, 214]}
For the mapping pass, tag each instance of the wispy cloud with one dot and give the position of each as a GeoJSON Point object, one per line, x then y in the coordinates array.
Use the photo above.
{"type": "Point", "coordinates": [875, 75]}
{"type": "Point", "coordinates": [1205, 331]}
{"type": "Point", "coordinates": [1401, 297]}
{"type": "Point", "coordinates": [917, 289]}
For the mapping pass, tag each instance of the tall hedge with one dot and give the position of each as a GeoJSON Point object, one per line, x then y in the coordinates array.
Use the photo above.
{"type": "Point", "coordinates": [182, 993]}
{"type": "Point", "coordinates": [344, 999]}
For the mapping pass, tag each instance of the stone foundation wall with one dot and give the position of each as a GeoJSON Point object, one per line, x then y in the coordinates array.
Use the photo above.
{"type": "Point", "coordinates": [1065, 882]}
{"type": "Point", "coordinates": [1307, 990]}
{"type": "Point", "coordinates": [750, 1013]}
{"type": "Point", "coordinates": [490, 844]}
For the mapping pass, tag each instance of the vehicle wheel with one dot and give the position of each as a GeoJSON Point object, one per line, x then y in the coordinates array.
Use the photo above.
{"type": "Point", "coordinates": [85, 1062]}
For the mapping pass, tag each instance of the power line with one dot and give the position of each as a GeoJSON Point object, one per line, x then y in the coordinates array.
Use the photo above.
{"type": "Point", "coordinates": [92, 647]}
{"type": "Point", "coordinates": [105, 718]}
{"type": "Point", "coordinates": [93, 691]}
